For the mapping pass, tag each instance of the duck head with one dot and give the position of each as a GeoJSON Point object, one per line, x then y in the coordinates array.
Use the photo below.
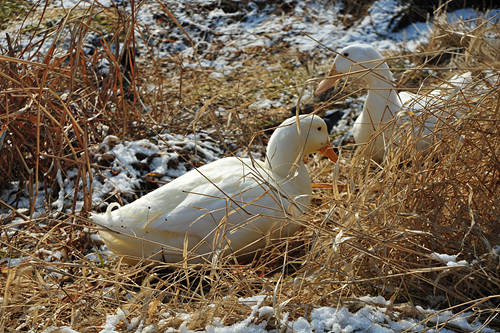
{"type": "Point", "coordinates": [355, 60]}
{"type": "Point", "coordinates": [287, 145]}
{"type": "Point", "coordinates": [315, 135]}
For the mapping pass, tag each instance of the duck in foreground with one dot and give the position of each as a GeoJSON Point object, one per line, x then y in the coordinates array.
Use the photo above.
{"type": "Point", "coordinates": [233, 205]}
{"type": "Point", "coordinates": [382, 103]}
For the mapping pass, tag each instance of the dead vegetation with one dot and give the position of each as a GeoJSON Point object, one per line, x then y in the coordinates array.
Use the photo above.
{"type": "Point", "coordinates": [375, 233]}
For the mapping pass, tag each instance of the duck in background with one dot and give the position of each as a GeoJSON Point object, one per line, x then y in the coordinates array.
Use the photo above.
{"type": "Point", "coordinates": [383, 103]}
{"type": "Point", "coordinates": [233, 205]}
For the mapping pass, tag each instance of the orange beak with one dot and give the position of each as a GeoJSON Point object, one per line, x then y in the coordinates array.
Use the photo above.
{"type": "Point", "coordinates": [327, 151]}
{"type": "Point", "coordinates": [333, 77]}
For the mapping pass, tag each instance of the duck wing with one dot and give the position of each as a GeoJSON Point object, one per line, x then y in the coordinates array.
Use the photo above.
{"type": "Point", "coordinates": [425, 115]}
{"type": "Point", "coordinates": [228, 202]}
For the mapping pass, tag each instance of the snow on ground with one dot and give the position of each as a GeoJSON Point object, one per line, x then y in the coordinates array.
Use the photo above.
{"type": "Point", "coordinates": [373, 317]}
{"type": "Point", "coordinates": [308, 26]}
{"type": "Point", "coordinates": [226, 32]}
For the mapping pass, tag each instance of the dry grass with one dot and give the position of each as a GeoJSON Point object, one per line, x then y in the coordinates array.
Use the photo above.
{"type": "Point", "coordinates": [373, 234]}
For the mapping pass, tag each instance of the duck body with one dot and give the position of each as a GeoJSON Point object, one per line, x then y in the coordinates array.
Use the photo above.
{"type": "Point", "coordinates": [382, 103]}
{"type": "Point", "coordinates": [233, 205]}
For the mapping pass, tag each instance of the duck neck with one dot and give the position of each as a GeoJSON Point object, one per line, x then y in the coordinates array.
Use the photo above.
{"type": "Point", "coordinates": [380, 78]}
{"type": "Point", "coordinates": [284, 163]}
{"type": "Point", "coordinates": [382, 96]}
{"type": "Point", "coordinates": [284, 153]}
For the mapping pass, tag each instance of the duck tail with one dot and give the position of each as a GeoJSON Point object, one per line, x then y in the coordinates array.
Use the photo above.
{"type": "Point", "coordinates": [110, 208]}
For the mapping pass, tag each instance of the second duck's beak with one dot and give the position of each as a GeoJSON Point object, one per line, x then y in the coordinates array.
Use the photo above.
{"type": "Point", "coordinates": [327, 151]}
{"type": "Point", "coordinates": [333, 77]}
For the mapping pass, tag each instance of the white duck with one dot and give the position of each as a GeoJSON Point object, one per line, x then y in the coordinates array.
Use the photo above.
{"type": "Point", "coordinates": [230, 205]}
{"type": "Point", "coordinates": [382, 101]}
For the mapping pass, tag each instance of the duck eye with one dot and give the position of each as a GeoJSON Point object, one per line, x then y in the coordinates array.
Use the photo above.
{"type": "Point", "coordinates": [319, 128]}
{"type": "Point", "coordinates": [346, 54]}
